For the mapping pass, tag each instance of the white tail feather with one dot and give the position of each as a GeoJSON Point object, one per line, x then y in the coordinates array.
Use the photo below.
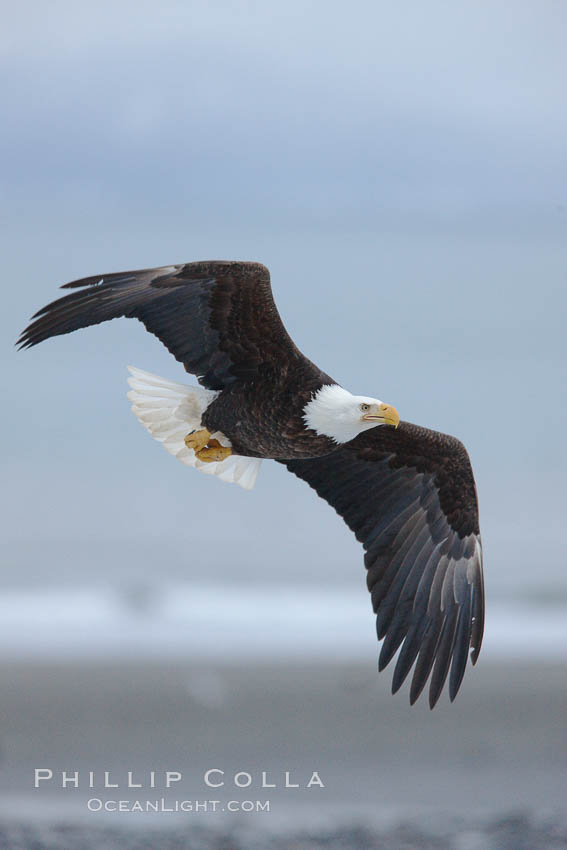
{"type": "Point", "coordinates": [170, 411]}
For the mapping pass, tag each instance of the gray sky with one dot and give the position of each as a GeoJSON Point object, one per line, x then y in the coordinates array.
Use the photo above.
{"type": "Point", "coordinates": [400, 168]}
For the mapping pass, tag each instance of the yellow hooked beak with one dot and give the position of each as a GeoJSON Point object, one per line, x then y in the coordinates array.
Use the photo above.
{"type": "Point", "coordinates": [384, 413]}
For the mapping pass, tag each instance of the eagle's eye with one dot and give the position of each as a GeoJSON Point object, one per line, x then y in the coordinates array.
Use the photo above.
{"type": "Point", "coordinates": [365, 407]}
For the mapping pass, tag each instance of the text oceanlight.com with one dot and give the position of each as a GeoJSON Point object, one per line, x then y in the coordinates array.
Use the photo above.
{"type": "Point", "coordinates": [95, 804]}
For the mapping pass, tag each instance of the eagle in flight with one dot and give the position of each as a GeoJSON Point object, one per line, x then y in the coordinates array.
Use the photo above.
{"type": "Point", "coordinates": [406, 492]}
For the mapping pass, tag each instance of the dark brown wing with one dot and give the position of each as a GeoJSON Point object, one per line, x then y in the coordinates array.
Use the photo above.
{"type": "Point", "coordinates": [217, 317]}
{"type": "Point", "coordinates": [409, 496]}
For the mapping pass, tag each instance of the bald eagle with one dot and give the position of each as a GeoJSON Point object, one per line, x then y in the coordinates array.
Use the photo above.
{"type": "Point", "coordinates": [407, 493]}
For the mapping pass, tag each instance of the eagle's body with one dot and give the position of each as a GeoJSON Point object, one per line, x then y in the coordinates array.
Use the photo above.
{"type": "Point", "coordinates": [407, 493]}
{"type": "Point", "coordinates": [265, 419]}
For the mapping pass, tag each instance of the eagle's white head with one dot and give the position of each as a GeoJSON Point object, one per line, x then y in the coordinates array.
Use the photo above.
{"type": "Point", "coordinates": [336, 413]}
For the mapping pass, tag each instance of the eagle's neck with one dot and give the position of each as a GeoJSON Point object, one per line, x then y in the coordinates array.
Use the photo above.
{"type": "Point", "coordinates": [330, 414]}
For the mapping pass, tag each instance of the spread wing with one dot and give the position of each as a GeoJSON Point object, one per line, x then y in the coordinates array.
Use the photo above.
{"type": "Point", "coordinates": [217, 317]}
{"type": "Point", "coordinates": [409, 496]}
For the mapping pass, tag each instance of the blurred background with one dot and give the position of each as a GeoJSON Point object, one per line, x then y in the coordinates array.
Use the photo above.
{"type": "Point", "coordinates": [401, 170]}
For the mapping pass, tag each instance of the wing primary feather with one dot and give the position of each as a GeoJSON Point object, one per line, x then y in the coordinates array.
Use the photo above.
{"type": "Point", "coordinates": [426, 656]}
{"type": "Point", "coordinates": [443, 654]}
{"type": "Point", "coordinates": [477, 624]}
{"type": "Point", "coordinates": [461, 651]}
{"type": "Point", "coordinates": [409, 651]}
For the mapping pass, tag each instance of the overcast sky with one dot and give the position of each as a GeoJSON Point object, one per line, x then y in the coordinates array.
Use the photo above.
{"type": "Point", "coordinates": [400, 168]}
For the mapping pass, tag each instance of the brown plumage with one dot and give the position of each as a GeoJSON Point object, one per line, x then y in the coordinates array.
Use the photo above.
{"type": "Point", "coordinates": [408, 494]}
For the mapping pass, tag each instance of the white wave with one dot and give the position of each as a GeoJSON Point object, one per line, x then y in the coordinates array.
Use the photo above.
{"type": "Point", "coordinates": [232, 623]}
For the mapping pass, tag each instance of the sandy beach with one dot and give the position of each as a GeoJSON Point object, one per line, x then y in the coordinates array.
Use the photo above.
{"type": "Point", "coordinates": [487, 771]}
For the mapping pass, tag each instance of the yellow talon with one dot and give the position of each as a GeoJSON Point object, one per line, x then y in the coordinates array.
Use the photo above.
{"type": "Point", "coordinates": [206, 447]}
{"type": "Point", "coordinates": [214, 453]}
{"type": "Point", "coordinates": [197, 440]}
